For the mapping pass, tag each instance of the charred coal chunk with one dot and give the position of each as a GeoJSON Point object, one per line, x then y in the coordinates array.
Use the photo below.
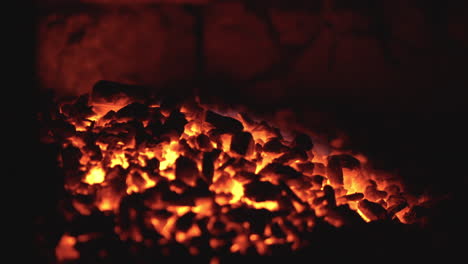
{"type": "Point", "coordinates": [109, 92]}
{"type": "Point", "coordinates": [116, 178]}
{"type": "Point", "coordinates": [334, 171]}
{"type": "Point", "coordinates": [60, 129]}
{"type": "Point", "coordinates": [136, 130]}
{"type": "Point", "coordinates": [116, 173]}
{"type": "Point", "coordinates": [142, 138]}
{"type": "Point", "coordinates": [345, 215]}
{"type": "Point", "coordinates": [274, 145]}
{"type": "Point", "coordinates": [155, 124]}
{"type": "Point", "coordinates": [131, 211]}
{"type": "Point", "coordinates": [110, 139]}
{"type": "Point", "coordinates": [395, 204]}
{"type": "Point", "coordinates": [193, 109]}
{"type": "Point", "coordinates": [134, 110]}
{"type": "Point", "coordinates": [204, 142]}
{"type": "Point", "coordinates": [152, 165]}
{"type": "Point", "coordinates": [392, 210]}
{"type": "Point", "coordinates": [200, 190]}
{"type": "Point", "coordinates": [78, 109]}
{"type": "Point", "coordinates": [302, 142]}
{"type": "Point", "coordinates": [175, 122]}
{"type": "Point", "coordinates": [373, 193]}
{"type": "Point", "coordinates": [319, 168]}
{"type": "Point", "coordinates": [186, 170]}
{"type": "Point", "coordinates": [247, 119]}
{"type": "Point", "coordinates": [392, 189]}
{"type": "Point", "coordinates": [208, 164]}
{"type": "Point", "coordinates": [245, 177]}
{"type": "Point", "coordinates": [242, 143]}
{"type": "Point", "coordinates": [137, 179]}
{"type": "Point", "coordinates": [187, 150]}
{"type": "Point", "coordinates": [226, 164]}
{"type": "Point", "coordinates": [300, 183]}
{"type": "Point", "coordinates": [93, 151]}
{"type": "Point", "coordinates": [292, 155]}
{"type": "Point", "coordinates": [329, 195]}
{"type": "Point", "coordinates": [185, 221]}
{"type": "Point", "coordinates": [352, 197]}
{"type": "Point", "coordinates": [109, 115]}
{"type": "Point", "coordinates": [335, 165]}
{"type": "Point", "coordinates": [241, 164]}
{"type": "Point", "coordinates": [289, 194]}
{"type": "Point", "coordinates": [215, 136]}
{"type": "Point", "coordinates": [280, 172]}
{"type": "Point", "coordinates": [262, 191]}
{"type": "Point", "coordinates": [224, 123]}
{"type": "Point", "coordinates": [306, 167]}
{"type": "Point", "coordinates": [317, 181]}
{"type": "Point", "coordinates": [373, 211]}
{"type": "Point", "coordinates": [346, 161]}
{"type": "Point", "coordinates": [321, 196]}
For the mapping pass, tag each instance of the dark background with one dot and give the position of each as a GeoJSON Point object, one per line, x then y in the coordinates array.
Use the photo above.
{"type": "Point", "coordinates": [416, 129]}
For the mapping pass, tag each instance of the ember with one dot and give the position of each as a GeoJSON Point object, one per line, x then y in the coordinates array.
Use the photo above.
{"type": "Point", "coordinates": [183, 175]}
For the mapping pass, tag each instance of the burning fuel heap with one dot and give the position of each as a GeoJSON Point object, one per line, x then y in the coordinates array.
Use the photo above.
{"type": "Point", "coordinates": [183, 176]}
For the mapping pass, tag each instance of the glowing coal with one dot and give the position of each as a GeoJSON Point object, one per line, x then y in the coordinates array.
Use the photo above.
{"type": "Point", "coordinates": [184, 173]}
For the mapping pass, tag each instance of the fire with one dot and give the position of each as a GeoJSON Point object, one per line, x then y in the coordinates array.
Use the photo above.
{"type": "Point", "coordinates": [237, 191]}
{"type": "Point", "coordinates": [269, 205]}
{"type": "Point", "coordinates": [95, 175]}
{"type": "Point", "coordinates": [202, 173]}
{"type": "Point", "coordinates": [169, 156]}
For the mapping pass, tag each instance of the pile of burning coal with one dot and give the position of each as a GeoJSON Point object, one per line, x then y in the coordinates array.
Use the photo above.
{"type": "Point", "coordinates": [183, 177]}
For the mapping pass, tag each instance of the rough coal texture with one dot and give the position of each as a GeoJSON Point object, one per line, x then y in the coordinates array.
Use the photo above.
{"type": "Point", "coordinates": [242, 143]}
{"type": "Point", "coordinates": [406, 110]}
{"type": "Point", "coordinates": [274, 145]}
{"type": "Point", "coordinates": [224, 123]}
{"type": "Point", "coordinates": [186, 170]}
{"type": "Point", "coordinates": [262, 191]}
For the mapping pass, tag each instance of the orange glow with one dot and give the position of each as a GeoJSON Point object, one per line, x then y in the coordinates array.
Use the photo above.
{"type": "Point", "coordinates": [169, 156]}
{"type": "Point", "coordinates": [193, 231]}
{"type": "Point", "coordinates": [203, 207]}
{"type": "Point", "coordinates": [65, 249]}
{"type": "Point", "coordinates": [193, 128]}
{"type": "Point", "coordinates": [119, 159]}
{"type": "Point", "coordinates": [269, 205]}
{"type": "Point", "coordinates": [103, 108]}
{"type": "Point", "coordinates": [237, 191]}
{"type": "Point", "coordinates": [266, 159]}
{"type": "Point", "coordinates": [95, 175]}
{"type": "Point", "coordinates": [105, 205]}
{"type": "Point", "coordinates": [118, 164]}
{"type": "Point", "coordinates": [170, 175]}
{"type": "Point", "coordinates": [241, 243]}
{"type": "Point", "coordinates": [362, 215]}
{"type": "Point", "coordinates": [132, 187]}
{"type": "Point", "coordinates": [226, 140]}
